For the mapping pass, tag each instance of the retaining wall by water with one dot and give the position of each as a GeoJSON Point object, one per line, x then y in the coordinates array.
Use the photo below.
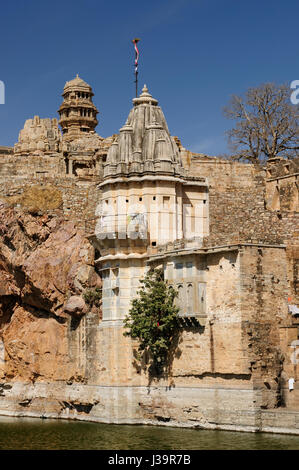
{"type": "Point", "coordinates": [128, 405]}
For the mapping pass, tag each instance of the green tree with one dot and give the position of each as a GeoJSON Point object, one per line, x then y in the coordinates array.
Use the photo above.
{"type": "Point", "coordinates": [153, 318]}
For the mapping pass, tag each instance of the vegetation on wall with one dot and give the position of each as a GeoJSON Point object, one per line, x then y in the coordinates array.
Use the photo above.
{"type": "Point", "coordinates": [37, 198]}
{"type": "Point", "coordinates": [93, 296]}
{"type": "Point", "coordinates": [153, 318]}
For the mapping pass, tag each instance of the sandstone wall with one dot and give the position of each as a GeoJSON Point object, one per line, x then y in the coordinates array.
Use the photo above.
{"type": "Point", "coordinates": [31, 166]}
{"type": "Point", "coordinates": [4, 151]}
{"type": "Point", "coordinates": [79, 196]}
{"type": "Point", "coordinates": [220, 376]}
{"type": "Point", "coordinates": [264, 290]}
{"type": "Point", "coordinates": [238, 210]}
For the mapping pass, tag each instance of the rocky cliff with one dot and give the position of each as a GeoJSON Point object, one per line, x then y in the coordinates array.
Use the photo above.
{"type": "Point", "coordinates": [46, 272]}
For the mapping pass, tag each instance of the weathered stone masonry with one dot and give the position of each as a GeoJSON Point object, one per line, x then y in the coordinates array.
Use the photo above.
{"type": "Point", "coordinates": [236, 276]}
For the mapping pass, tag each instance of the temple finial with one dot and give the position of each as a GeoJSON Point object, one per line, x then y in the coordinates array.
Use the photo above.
{"type": "Point", "coordinates": [145, 97]}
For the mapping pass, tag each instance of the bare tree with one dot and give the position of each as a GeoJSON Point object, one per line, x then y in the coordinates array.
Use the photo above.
{"type": "Point", "coordinates": [267, 124]}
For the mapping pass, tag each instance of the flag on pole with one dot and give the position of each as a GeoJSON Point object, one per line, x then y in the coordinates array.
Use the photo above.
{"type": "Point", "coordinates": [135, 41]}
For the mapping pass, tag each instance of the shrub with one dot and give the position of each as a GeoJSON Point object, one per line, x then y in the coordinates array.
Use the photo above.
{"type": "Point", "coordinates": [153, 318]}
{"type": "Point", "coordinates": [93, 296]}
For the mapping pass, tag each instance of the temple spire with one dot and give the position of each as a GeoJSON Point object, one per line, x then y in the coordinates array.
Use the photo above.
{"type": "Point", "coordinates": [144, 144]}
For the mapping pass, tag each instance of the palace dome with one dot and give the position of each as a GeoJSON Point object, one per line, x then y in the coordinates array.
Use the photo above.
{"type": "Point", "coordinates": [77, 82]}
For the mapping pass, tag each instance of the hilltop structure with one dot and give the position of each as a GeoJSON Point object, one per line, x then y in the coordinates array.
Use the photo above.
{"type": "Point", "coordinates": [225, 234]}
{"type": "Point", "coordinates": [77, 112]}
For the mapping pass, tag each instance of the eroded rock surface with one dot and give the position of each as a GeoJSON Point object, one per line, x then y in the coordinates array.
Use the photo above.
{"type": "Point", "coordinates": [46, 265]}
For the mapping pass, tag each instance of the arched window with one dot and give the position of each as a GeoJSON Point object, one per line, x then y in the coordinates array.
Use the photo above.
{"type": "Point", "coordinates": [179, 301]}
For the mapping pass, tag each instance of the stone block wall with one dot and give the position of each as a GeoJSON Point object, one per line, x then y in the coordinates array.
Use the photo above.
{"type": "Point", "coordinates": [4, 151]}
{"type": "Point", "coordinates": [282, 193]}
{"type": "Point", "coordinates": [222, 372]}
{"type": "Point", "coordinates": [79, 196]}
{"type": "Point", "coordinates": [238, 209]}
{"type": "Point", "coordinates": [263, 296]}
{"type": "Point", "coordinates": [31, 166]}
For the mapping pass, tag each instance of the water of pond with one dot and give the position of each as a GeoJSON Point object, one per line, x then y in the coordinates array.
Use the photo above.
{"type": "Point", "coordinates": [37, 434]}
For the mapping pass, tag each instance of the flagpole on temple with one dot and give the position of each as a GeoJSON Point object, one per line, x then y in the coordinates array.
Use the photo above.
{"type": "Point", "coordinates": [135, 41]}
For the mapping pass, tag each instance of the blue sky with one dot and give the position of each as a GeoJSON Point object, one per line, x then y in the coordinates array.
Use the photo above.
{"type": "Point", "coordinates": [193, 55]}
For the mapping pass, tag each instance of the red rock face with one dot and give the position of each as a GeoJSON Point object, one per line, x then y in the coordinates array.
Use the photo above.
{"type": "Point", "coordinates": [46, 264]}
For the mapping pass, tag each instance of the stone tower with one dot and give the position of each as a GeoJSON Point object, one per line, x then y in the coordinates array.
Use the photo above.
{"type": "Point", "coordinates": [144, 194]}
{"type": "Point", "coordinates": [78, 114]}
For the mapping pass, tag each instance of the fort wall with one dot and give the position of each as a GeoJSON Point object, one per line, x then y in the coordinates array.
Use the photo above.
{"type": "Point", "coordinates": [231, 361]}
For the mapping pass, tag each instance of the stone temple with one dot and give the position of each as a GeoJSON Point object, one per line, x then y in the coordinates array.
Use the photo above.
{"type": "Point", "coordinates": [226, 235]}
